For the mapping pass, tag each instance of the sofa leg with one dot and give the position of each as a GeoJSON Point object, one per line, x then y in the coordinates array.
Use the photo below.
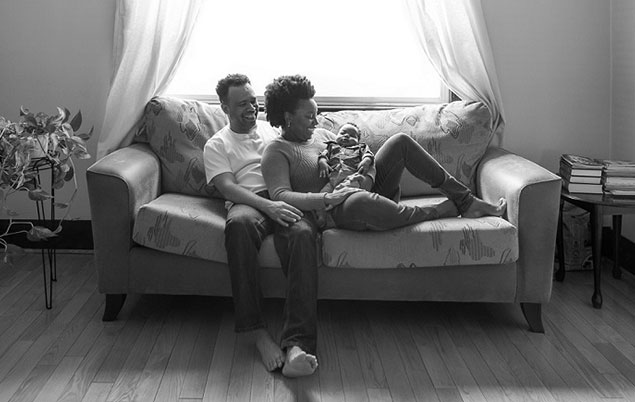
{"type": "Point", "coordinates": [114, 303]}
{"type": "Point", "coordinates": [533, 315]}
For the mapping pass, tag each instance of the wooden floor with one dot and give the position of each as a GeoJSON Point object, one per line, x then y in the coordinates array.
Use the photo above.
{"type": "Point", "coordinates": [166, 348]}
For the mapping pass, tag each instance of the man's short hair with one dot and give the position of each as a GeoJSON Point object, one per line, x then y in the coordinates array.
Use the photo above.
{"type": "Point", "coordinates": [232, 80]}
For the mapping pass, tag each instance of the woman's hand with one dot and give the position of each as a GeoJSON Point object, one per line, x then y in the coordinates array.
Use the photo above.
{"type": "Point", "coordinates": [324, 168]}
{"type": "Point", "coordinates": [364, 165]}
{"type": "Point", "coordinates": [340, 195]}
{"type": "Point", "coordinates": [283, 213]}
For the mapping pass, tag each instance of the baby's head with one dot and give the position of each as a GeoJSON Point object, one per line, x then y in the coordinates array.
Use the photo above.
{"type": "Point", "coordinates": [348, 135]}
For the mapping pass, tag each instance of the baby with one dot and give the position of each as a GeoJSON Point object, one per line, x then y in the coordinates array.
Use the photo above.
{"type": "Point", "coordinates": [343, 159]}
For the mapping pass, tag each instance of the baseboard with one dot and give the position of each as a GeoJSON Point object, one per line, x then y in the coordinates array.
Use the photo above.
{"type": "Point", "coordinates": [627, 250]}
{"type": "Point", "coordinates": [75, 235]}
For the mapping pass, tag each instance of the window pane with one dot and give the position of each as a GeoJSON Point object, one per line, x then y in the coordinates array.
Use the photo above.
{"type": "Point", "coordinates": [349, 49]}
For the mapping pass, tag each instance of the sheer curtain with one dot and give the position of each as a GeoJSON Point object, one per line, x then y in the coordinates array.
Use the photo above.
{"type": "Point", "coordinates": [454, 36]}
{"type": "Point", "coordinates": [150, 37]}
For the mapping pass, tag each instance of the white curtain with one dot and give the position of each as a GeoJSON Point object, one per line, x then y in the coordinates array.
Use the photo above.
{"type": "Point", "coordinates": [150, 38]}
{"type": "Point", "coordinates": [453, 35]}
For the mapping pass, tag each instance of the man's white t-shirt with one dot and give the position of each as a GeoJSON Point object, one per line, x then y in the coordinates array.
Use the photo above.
{"type": "Point", "coordinates": [240, 154]}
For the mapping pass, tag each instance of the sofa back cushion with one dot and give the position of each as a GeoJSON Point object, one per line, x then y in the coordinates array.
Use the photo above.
{"type": "Point", "coordinates": [176, 130]}
{"type": "Point", "coordinates": [456, 134]}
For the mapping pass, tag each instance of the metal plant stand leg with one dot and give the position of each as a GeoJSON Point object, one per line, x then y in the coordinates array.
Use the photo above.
{"type": "Point", "coordinates": [49, 255]}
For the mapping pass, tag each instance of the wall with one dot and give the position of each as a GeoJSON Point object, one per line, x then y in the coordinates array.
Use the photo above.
{"type": "Point", "coordinates": [552, 59]}
{"type": "Point", "coordinates": [623, 89]}
{"type": "Point", "coordinates": [56, 53]}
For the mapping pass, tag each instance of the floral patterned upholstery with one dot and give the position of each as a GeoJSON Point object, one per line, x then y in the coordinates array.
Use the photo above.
{"type": "Point", "coordinates": [176, 130]}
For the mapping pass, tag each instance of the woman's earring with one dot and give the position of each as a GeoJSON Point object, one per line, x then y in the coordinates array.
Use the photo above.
{"type": "Point", "coordinates": [288, 123]}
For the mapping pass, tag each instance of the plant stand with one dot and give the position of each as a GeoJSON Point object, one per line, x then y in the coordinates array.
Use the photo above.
{"type": "Point", "coordinates": [48, 252]}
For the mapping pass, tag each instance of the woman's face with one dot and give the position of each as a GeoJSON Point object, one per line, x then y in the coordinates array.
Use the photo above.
{"type": "Point", "coordinates": [302, 122]}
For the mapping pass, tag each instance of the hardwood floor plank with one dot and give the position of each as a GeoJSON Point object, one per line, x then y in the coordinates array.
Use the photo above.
{"type": "Point", "coordinates": [174, 377]}
{"type": "Point", "coordinates": [331, 387]}
{"type": "Point", "coordinates": [371, 367]}
{"type": "Point", "coordinates": [198, 366]}
{"type": "Point", "coordinates": [67, 338]}
{"type": "Point", "coordinates": [81, 384]}
{"type": "Point", "coordinates": [19, 324]}
{"type": "Point", "coordinates": [126, 339]}
{"type": "Point", "coordinates": [221, 364]}
{"type": "Point", "coordinates": [512, 387]}
{"type": "Point", "coordinates": [31, 385]}
{"type": "Point", "coordinates": [350, 367]}
{"type": "Point", "coordinates": [12, 356]}
{"type": "Point", "coordinates": [21, 370]}
{"type": "Point", "coordinates": [486, 380]}
{"type": "Point", "coordinates": [242, 367]}
{"type": "Point", "coordinates": [416, 370]}
{"type": "Point", "coordinates": [97, 392]}
{"type": "Point", "coordinates": [138, 378]}
{"type": "Point", "coordinates": [54, 387]}
{"type": "Point", "coordinates": [396, 375]}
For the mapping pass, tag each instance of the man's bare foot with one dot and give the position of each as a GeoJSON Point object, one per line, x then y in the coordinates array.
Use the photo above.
{"type": "Point", "coordinates": [299, 363]}
{"type": "Point", "coordinates": [480, 208]}
{"type": "Point", "coordinates": [270, 353]}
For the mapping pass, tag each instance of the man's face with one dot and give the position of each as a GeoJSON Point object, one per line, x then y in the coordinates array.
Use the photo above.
{"type": "Point", "coordinates": [242, 108]}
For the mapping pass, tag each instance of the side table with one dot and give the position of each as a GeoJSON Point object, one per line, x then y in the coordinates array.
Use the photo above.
{"type": "Point", "coordinates": [598, 205]}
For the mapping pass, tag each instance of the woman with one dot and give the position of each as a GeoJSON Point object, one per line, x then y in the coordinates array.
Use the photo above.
{"type": "Point", "coordinates": [290, 169]}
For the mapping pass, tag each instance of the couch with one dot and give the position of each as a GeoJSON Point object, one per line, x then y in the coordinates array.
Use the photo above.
{"type": "Point", "coordinates": [158, 225]}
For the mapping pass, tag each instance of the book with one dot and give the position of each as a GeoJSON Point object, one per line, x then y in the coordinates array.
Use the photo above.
{"type": "Point", "coordinates": [581, 162]}
{"type": "Point", "coordinates": [566, 169]}
{"type": "Point", "coordinates": [619, 168]}
{"type": "Point", "coordinates": [572, 178]}
{"type": "Point", "coordinates": [582, 187]}
{"type": "Point", "coordinates": [621, 193]}
{"type": "Point", "coordinates": [618, 182]}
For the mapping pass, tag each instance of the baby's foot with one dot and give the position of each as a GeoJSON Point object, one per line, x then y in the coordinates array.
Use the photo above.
{"type": "Point", "coordinates": [480, 208]}
{"type": "Point", "coordinates": [270, 353]}
{"type": "Point", "coordinates": [299, 363]}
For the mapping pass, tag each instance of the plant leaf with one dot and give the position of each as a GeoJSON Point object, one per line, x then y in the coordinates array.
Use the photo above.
{"type": "Point", "coordinates": [61, 205]}
{"type": "Point", "coordinates": [76, 123]}
{"type": "Point", "coordinates": [39, 195]}
{"type": "Point", "coordinates": [38, 233]}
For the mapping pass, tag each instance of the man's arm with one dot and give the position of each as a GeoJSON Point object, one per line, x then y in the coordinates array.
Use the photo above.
{"type": "Point", "coordinates": [279, 211]}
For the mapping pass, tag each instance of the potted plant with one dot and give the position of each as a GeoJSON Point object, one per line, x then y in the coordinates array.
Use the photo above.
{"type": "Point", "coordinates": [38, 141]}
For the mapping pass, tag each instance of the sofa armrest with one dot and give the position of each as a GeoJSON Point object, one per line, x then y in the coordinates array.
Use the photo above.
{"type": "Point", "coordinates": [118, 185]}
{"type": "Point", "coordinates": [533, 196]}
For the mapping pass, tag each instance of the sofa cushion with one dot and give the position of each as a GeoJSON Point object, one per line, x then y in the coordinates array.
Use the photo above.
{"type": "Point", "coordinates": [177, 130]}
{"type": "Point", "coordinates": [453, 241]}
{"type": "Point", "coordinates": [456, 134]}
{"type": "Point", "coordinates": [192, 226]}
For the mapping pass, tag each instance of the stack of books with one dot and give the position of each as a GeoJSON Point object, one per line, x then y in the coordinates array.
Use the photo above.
{"type": "Point", "coordinates": [618, 178]}
{"type": "Point", "coordinates": [581, 174]}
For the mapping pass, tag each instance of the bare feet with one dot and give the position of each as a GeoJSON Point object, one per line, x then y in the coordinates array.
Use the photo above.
{"type": "Point", "coordinates": [446, 209]}
{"type": "Point", "coordinates": [270, 353]}
{"type": "Point", "coordinates": [480, 208]}
{"type": "Point", "coordinates": [298, 363]}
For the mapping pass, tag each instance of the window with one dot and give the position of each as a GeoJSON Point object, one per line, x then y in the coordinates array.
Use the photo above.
{"type": "Point", "coordinates": [356, 53]}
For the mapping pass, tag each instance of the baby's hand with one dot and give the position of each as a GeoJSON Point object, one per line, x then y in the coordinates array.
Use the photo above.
{"type": "Point", "coordinates": [364, 165]}
{"type": "Point", "coordinates": [324, 168]}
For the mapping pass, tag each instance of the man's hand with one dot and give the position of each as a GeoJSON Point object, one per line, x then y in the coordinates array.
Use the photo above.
{"type": "Point", "coordinates": [283, 213]}
{"type": "Point", "coordinates": [324, 168]}
{"type": "Point", "coordinates": [340, 195]}
{"type": "Point", "coordinates": [364, 165]}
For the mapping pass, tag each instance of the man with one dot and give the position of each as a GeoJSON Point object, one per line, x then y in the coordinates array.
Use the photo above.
{"type": "Point", "coordinates": [232, 164]}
